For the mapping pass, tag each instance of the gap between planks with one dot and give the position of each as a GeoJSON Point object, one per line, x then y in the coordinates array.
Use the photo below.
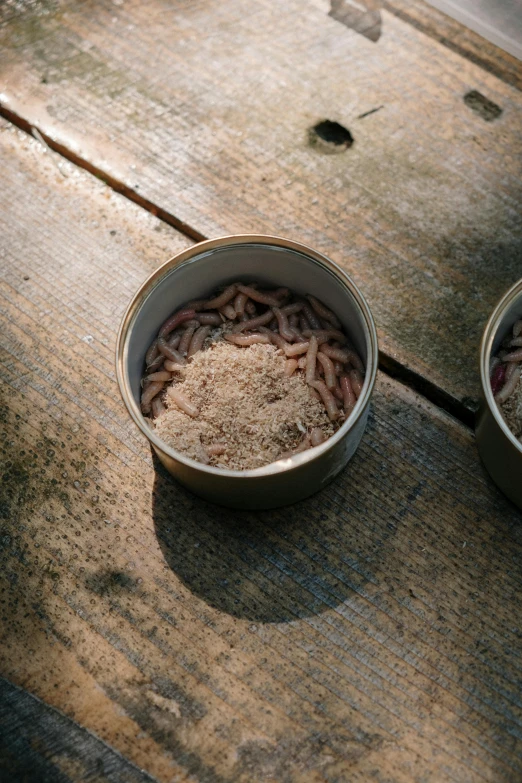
{"type": "Point", "coordinates": [387, 364]}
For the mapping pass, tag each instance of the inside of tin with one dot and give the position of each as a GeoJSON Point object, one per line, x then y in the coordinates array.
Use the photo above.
{"type": "Point", "coordinates": [269, 265]}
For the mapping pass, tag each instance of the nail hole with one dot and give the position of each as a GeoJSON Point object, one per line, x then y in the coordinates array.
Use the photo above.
{"type": "Point", "coordinates": [482, 106]}
{"type": "Point", "coordinates": [330, 136]}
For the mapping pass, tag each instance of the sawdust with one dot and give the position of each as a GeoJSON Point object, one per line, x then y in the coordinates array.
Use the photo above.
{"type": "Point", "coordinates": [245, 402]}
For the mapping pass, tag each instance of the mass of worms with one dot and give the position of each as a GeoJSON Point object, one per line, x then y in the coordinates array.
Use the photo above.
{"type": "Point", "coordinates": [506, 366]}
{"type": "Point", "coordinates": [302, 328]}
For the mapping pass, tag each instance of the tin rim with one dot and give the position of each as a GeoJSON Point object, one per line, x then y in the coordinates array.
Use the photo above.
{"type": "Point", "coordinates": [282, 465]}
{"type": "Point", "coordinates": [486, 347]}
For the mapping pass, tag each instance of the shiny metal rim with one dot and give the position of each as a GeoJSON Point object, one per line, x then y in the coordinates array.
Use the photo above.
{"type": "Point", "coordinates": [486, 347]}
{"type": "Point", "coordinates": [191, 254]}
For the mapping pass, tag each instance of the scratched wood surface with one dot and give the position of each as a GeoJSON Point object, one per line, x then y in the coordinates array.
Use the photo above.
{"type": "Point", "coordinates": [371, 633]}
{"type": "Point", "coordinates": [204, 108]}
{"type": "Point", "coordinates": [37, 743]}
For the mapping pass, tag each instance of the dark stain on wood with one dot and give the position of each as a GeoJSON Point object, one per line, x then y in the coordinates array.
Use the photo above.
{"type": "Point", "coordinates": [482, 106]}
{"type": "Point", "coordinates": [108, 582]}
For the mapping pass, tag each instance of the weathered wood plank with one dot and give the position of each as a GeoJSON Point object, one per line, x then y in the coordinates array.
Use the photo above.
{"type": "Point", "coordinates": [458, 38]}
{"type": "Point", "coordinates": [366, 634]}
{"type": "Point", "coordinates": [205, 109]}
{"type": "Point", "coordinates": [39, 745]}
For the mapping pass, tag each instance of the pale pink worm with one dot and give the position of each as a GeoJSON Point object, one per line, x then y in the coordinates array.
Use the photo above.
{"type": "Point", "coordinates": [228, 311]}
{"type": "Point", "coordinates": [310, 316]}
{"type": "Point", "coordinates": [198, 338]}
{"type": "Point", "coordinates": [330, 377]}
{"type": "Point", "coordinates": [253, 323]}
{"type": "Point", "coordinates": [509, 387]}
{"type": "Point", "coordinates": [186, 337]}
{"type": "Point", "coordinates": [175, 338]}
{"type": "Point", "coordinates": [327, 398]}
{"type": "Point", "coordinates": [514, 356]}
{"type": "Point", "coordinates": [157, 407]}
{"type": "Point", "coordinates": [157, 364]}
{"type": "Point", "coordinates": [248, 339]}
{"type": "Point", "coordinates": [163, 375]}
{"type": "Point", "coordinates": [345, 356]}
{"type": "Point", "coordinates": [323, 311]}
{"type": "Point", "coordinates": [196, 304]}
{"type": "Point", "coordinates": [349, 398]}
{"type": "Point", "coordinates": [317, 436]}
{"type": "Point", "coordinates": [173, 366]}
{"type": "Point", "coordinates": [223, 299]}
{"type": "Point", "coordinates": [216, 449]}
{"type": "Point", "coordinates": [337, 393]}
{"type": "Point", "coordinates": [210, 319]}
{"type": "Point", "coordinates": [311, 357]}
{"type": "Point", "coordinates": [148, 395]}
{"type": "Point", "coordinates": [263, 297]}
{"type": "Point", "coordinates": [182, 401]}
{"type": "Point", "coordinates": [323, 335]}
{"type": "Point", "coordinates": [169, 352]}
{"type": "Point", "coordinates": [175, 320]}
{"type": "Point", "coordinates": [240, 302]}
{"type": "Point", "coordinates": [296, 348]}
{"type": "Point", "coordinates": [292, 309]}
{"type": "Point", "coordinates": [275, 338]}
{"type": "Point", "coordinates": [303, 323]}
{"type": "Point", "coordinates": [290, 367]}
{"type": "Point", "coordinates": [356, 380]}
{"type": "Point", "coordinates": [284, 327]}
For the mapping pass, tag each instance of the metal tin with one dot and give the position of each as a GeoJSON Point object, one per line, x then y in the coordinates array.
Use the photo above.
{"type": "Point", "coordinates": [500, 451]}
{"type": "Point", "coordinates": [273, 261]}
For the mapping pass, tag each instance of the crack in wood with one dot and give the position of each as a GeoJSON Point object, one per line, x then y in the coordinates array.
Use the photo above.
{"type": "Point", "coordinates": [463, 410]}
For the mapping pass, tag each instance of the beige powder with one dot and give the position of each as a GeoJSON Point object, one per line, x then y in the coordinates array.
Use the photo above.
{"type": "Point", "coordinates": [244, 402]}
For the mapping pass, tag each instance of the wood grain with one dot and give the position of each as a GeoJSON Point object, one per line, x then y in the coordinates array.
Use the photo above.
{"type": "Point", "coordinates": [39, 745]}
{"type": "Point", "coordinates": [367, 634]}
{"type": "Point", "coordinates": [204, 109]}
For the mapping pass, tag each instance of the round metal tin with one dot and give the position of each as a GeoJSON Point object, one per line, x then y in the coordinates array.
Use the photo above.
{"type": "Point", "coordinates": [273, 261]}
{"type": "Point", "coordinates": [499, 449]}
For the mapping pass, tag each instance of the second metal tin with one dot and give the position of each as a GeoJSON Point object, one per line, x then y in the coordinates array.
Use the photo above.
{"type": "Point", "coordinates": [500, 451]}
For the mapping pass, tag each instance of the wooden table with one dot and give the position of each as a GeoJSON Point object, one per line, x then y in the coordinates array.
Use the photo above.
{"type": "Point", "coordinates": [372, 633]}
